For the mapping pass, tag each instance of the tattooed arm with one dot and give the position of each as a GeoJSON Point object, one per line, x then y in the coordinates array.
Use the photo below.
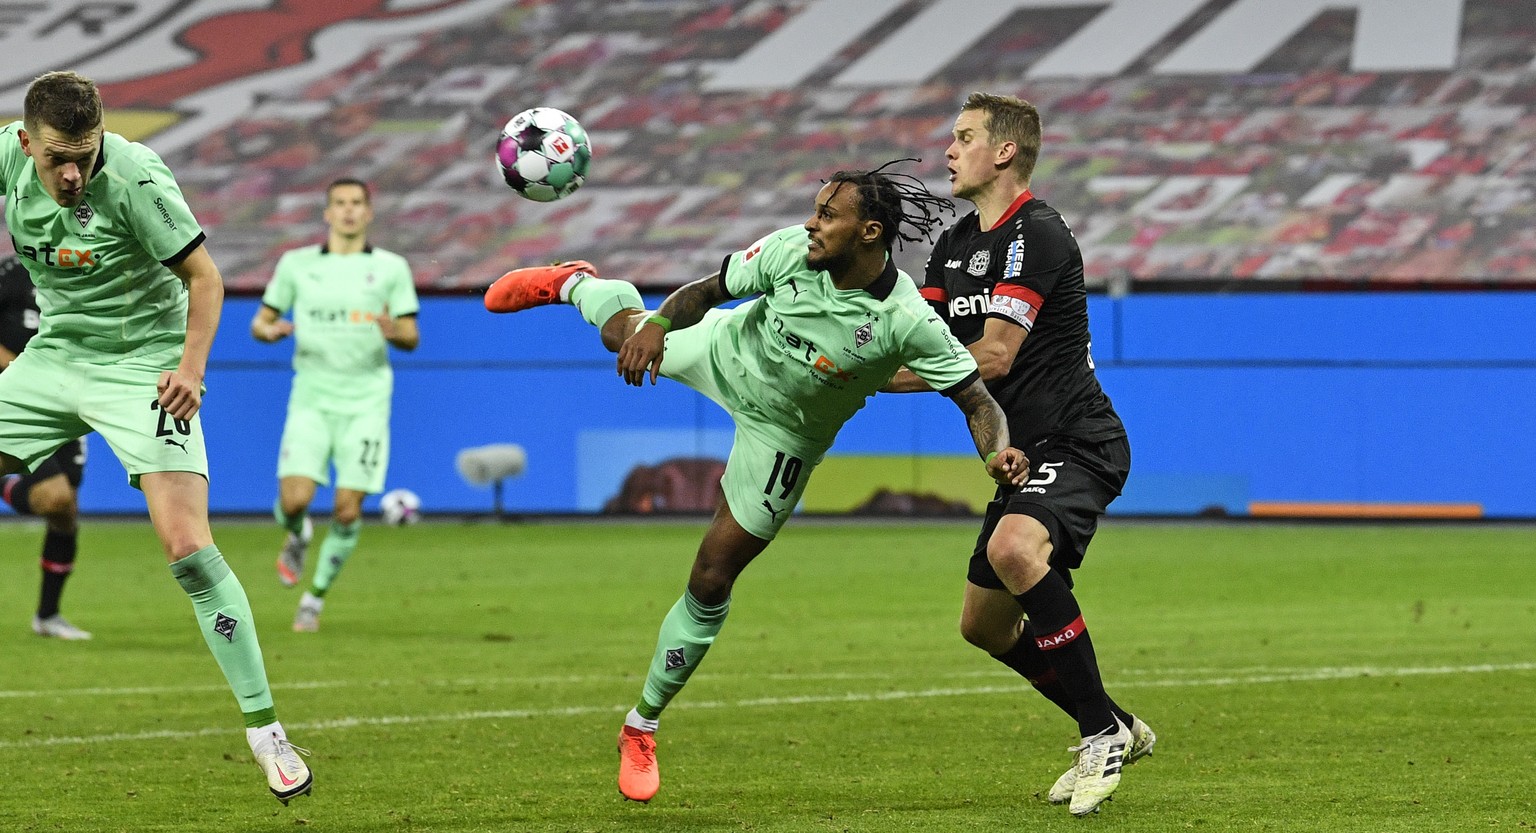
{"type": "Point", "coordinates": [642, 351]}
{"type": "Point", "coordinates": [989, 429]}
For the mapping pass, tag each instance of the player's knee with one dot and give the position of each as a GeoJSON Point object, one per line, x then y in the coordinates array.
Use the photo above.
{"type": "Point", "coordinates": [54, 501]}
{"type": "Point", "coordinates": [1019, 557]}
{"type": "Point", "coordinates": [347, 515]}
{"type": "Point", "coordinates": [978, 634]}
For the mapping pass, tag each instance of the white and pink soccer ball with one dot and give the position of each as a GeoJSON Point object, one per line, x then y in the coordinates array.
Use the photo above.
{"type": "Point", "coordinates": [544, 154]}
{"type": "Point", "coordinates": [400, 507]}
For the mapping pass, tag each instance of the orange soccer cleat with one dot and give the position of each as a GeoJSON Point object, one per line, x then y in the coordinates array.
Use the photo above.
{"type": "Point", "coordinates": [533, 286]}
{"type": "Point", "coordinates": [638, 777]}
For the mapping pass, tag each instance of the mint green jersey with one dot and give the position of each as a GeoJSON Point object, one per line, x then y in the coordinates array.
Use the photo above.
{"type": "Point", "coordinates": [807, 354]}
{"type": "Point", "coordinates": [340, 357]}
{"type": "Point", "coordinates": [103, 287]}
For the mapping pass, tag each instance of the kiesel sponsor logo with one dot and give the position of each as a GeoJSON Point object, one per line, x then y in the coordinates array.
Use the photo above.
{"type": "Point", "coordinates": [1015, 263]}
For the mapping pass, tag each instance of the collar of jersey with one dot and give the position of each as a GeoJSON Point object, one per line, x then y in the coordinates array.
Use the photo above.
{"type": "Point", "coordinates": [882, 286]}
{"type": "Point", "coordinates": [101, 156]}
{"type": "Point", "coordinates": [1017, 204]}
{"type": "Point", "coordinates": [325, 248]}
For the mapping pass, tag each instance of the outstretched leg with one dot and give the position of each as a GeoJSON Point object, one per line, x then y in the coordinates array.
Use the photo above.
{"type": "Point", "coordinates": [613, 306]}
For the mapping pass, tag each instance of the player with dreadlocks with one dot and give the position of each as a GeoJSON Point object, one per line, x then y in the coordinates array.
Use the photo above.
{"type": "Point", "coordinates": [834, 321]}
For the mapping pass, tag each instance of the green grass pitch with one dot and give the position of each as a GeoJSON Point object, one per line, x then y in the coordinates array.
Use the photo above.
{"type": "Point", "coordinates": [472, 678]}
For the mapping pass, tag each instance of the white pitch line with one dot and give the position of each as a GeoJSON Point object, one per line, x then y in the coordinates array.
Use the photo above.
{"type": "Point", "coordinates": [1312, 675]}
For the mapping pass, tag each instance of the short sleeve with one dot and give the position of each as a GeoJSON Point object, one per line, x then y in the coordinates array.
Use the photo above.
{"type": "Point", "coordinates": [161, 219]}
{"type": "Point", "coordinates": [938, 358]}
{"type": "Point", "coordinates": [756, 268]}
{"type": "Point", "coordinates": [12, 159]}
{"type": "Point", "coordinates": [1034, 260]}
{"type": "Point", "coordinates": [280, 290]}
{"type": "Point", "coordinates": [934, 289]}
{"type": "Point", "coordinates": [402, 291]}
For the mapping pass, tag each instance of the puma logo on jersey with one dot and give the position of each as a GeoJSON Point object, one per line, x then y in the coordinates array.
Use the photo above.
{"type": "Point", "coordinates": [774, 513]}
{"type": "Point", "coordinates": [180, 445]}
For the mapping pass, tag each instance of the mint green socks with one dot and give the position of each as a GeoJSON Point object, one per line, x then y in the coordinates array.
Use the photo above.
{"type": "Point", "coordinates": [334, 552]}
{"type": "Point", "coordinates": [598, 299]}
{"type": "Point", "coordinates": [224, 616]}
{"type": "Point", "coordinates": [292, 523]}
{"type": "Point", "coordinates": [686, 634]}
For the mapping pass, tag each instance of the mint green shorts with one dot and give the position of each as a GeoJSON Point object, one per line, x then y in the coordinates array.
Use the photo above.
{"type": "Point", "coordinates": [46, 400]}
{"type": "Point", "coordinates": [769, 467]}
{"type": "Point", "coordinates": [357, 445]}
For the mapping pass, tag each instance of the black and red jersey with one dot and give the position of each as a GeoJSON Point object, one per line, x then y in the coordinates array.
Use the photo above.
{"type": "Point", "coordinates": [18, 305]}
{"type": "Point", "coordinates": [1028, 271]}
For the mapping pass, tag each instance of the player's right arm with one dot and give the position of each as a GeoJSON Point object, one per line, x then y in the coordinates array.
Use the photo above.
{"type": "Point", "coordinates": [642, 351]}
{"type": "Point", "coordinates": [269, 325]}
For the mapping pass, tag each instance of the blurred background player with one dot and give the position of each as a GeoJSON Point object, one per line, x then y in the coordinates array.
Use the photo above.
{"type": "Point", "coordinates": [350, 301]}
{"type": "Point", "coordinates": [49, 492]}
{"type": "Point", "coordinates": [1008, 280]}
{"type": "Point", "coordinates": [130, 302]}
{"type": "Point", "coordinates": [835, 320]}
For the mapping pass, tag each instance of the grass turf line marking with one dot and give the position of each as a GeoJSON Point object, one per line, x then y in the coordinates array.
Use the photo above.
{"type": "Point", "coordinates": [1171, 677]}
{"type": "Point", "coordinates": [1314, 675]}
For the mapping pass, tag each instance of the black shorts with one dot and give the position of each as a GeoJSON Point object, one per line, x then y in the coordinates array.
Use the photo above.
{"type": "Point", "coordinates": [69, 461]}
{"type": "Point", "coordinates": [1071, 483]}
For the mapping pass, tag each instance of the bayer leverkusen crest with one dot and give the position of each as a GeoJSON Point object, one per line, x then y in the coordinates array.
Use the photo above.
{"type": "Point", "coordinates": [979, 263]}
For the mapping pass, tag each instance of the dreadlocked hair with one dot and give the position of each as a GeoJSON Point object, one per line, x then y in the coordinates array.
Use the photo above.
{"type": "Point", "coordinates": [896, 199]}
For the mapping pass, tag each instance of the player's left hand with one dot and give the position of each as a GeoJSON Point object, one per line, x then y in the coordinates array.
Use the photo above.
{"type": "Point", "coordinates": [180, 394]}
{"type": "Point", "coordinates": [1009, 468]}
{"type": "Point", "coordinates": [386, 324]}
{"type": "Point", "coordinates": [642, 352]}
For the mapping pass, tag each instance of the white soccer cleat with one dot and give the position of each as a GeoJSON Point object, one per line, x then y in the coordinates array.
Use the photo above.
{"type": "Point", "coordinates": [1142, 741]}
{"type": "Point", "coordinates": [287, 774]}
{"type": "Point", "coordinates": [1099, 759]}
{"type": "Point", "coordinates": [290, 561]}
{"type": "Point", "coordinates": [57, 627]}
{"type": "Point", "coordinates": [307, 618]}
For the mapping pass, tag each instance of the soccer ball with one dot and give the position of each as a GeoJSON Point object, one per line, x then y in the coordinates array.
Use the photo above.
{"type": "Point", "coordinates": [544, 154]}
{"type": "Point", "coordinates": [400, 507]}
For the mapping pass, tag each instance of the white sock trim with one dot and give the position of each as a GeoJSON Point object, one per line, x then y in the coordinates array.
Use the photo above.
{"type": "Point", "coordinates": [570, 283]}
{"type": "Point", "coordinates": [634, 721]}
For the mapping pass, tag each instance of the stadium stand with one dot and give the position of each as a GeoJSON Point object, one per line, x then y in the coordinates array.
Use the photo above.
{"type": "Point", "coordinates": [1299, 170]}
